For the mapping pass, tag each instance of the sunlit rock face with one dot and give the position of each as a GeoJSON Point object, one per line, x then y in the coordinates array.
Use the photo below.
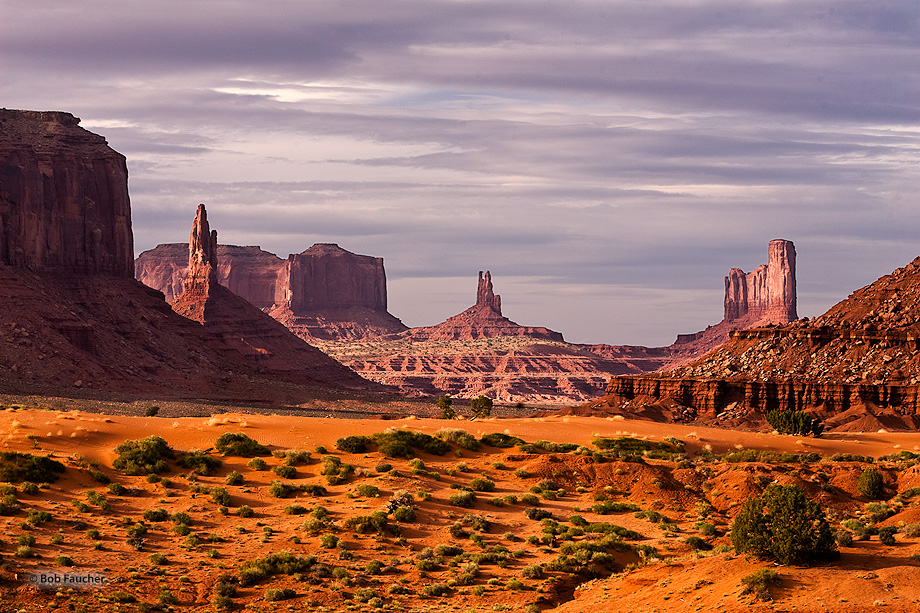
{"type": "Point", "coordinates": [64, 203]}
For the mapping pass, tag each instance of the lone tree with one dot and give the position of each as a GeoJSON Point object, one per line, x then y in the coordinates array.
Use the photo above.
{"type": "Point", "coordinates": [481, 406]}
{"type": "Point", "coordinates": [871, 484]}
{"type": "Point", "coordinates": [784, 525]}
{"type": "Point", "coordinates": [447, 411]}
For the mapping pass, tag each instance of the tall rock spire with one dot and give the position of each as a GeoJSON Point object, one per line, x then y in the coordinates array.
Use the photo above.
{"type": "Point", "coordinates": [202, 249]}
{"type": "Point", "coordinates": [485, 296]}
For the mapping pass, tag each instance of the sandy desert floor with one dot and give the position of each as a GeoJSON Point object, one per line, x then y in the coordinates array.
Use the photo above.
{"type": "Point", "coordinates": [516, 547]}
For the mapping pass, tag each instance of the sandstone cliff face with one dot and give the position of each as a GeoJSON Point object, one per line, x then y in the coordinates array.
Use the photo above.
{"type": "Point", "coordinates": [325, 292]}
{"type": "Point", "coordinates": [766, 295]}
{"type": "Point", "coordinates": [64, 203]}
{"type": "Point", "coordinates": [485, 297]}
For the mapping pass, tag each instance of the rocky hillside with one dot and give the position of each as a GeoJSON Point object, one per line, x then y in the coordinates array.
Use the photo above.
{"type": "Point", "coordinates": [855, 366]}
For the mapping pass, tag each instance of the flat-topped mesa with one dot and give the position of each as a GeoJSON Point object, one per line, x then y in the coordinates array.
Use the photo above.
{"type": "Point", "coordinates": [766, 295]}
{"type": "Point", "coordinates": [325, 276]}
{"type": "Point", "coordinates": [485, 296]}
{"type": "Point", "coordinates": [64, 203]}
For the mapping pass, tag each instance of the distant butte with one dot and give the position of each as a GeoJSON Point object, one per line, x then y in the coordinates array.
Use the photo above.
{"type": "Point", "coordinates": [325, 292]}
{"type": "Point", "coordinates": [482, 320]}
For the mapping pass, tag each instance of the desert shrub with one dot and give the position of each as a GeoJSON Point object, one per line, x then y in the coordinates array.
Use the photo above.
{"type": "Point", "coordinates": [334, 471]}
{"type": "Point", "coordinates": [63, 561]}
{"type": "Point", "coordinates": [353, 444]}
{"type": "Point", "coordinates": [798, 423]}
{"type": "Point", "coordinates": [158, 558]}
{"type": "Point", "coordinates": [532, 571]}
{"type": "Point", "coordinates": [29, 488]}
{"type": "Point", "coordinates": [364, 594]}
{"type": "Point", "coordinates": [220, 496]}
{"type": "Point", "coordinates": [367, 490]}
{"type": "Point", "coordinates": [500, 440]}
{"type": "Point", "coordinates": [705, 528]}
{"type": "Point", "coordinates": [25, 539]}
{"type": "Point", "coordinates": [698, 543]}
{"type": "Point", "coordinates": [376, 521]}
{"type": "Point", "coordinates": [313, 489]}
{"type": "Point", "coordinates": [537, 514]}
{"type": "Point", "coordinates": [463, 499]}
{"type": "Point", "coordinates": [240, 445]}
{"type": "Point", "coordinates": [24, 551]}
{"type": "Point", "coordinates": [383, 467]}
{"type": "Point", "coordinates": [783, 524]}
{"type": "Point", "coordinates": [607, 507]}
{"type": "Point", "coordinates": [143, 456]}
{"type": "Point", "coordinates": [234, 478]}
{"type": "Point", "coordinates": [285, 472]}
{"type": "Point", "coordinates": [877, 511]}
{"type": "Point", "coordinates": [886, 535]}
{"type": "Point", "coordinates": [458, 437]}
{"type": "Point", "coordinates": [16, 467]}
{"type": "Point", "coordinates": [273, 595]}
{"type": "Point", "coordinates": [482, 484]}
{"type": "Point", "coordinates": [277, 489]}
{"type": "Point", "coordinates": [38, 517]}
{"type": "Point", "coordinates": [608, 529]}
{"type": "Point", "coordinates": [181, 530]}
{"type": "Point", "coordinates": [281, 563]}
{"type": "Point", "coordinates": [329, 541]}
{"type": "Point", "coordinates": [870, 484]}
{"type": "Point", "coordinates": [156, 515]}
{"type": "Point", "coordinates": [860, 530]}
{"type": "Point", "coordinates": [93, 534]}
{"type": "Point", "coordinates": [844, 538]}
{"type": "Point", "coordinates": [245, 511]}
{"type": "Point", "coordinates": [911, 530]}
{"type": "Point", "coordinates": [626, 446]}
{"type": "Point", "coordinates": [555, 447]}
{"type": "Point", "coordinates": [395, 443]}
{"type": "Point", "coordinates": [117, 489]}
{"type": "Point", "coordinates": [757, 582]}
{"type": "Point", "coordinates": [295, 509]}
{"type": "Point", "coordinates": [293, 457]}
{"type": "Point", "coordinates": [181, 518]}
{"type": "Point", "coordinates": [436, 589]}
{"type": "Point", "coordinates": [530, 499]}
{"type": "Point", "coordinates": [406, 514]}
{"type": "Point", "coordinates": [257, 464]}
{"type": "Point", "coordinates": [199, 461]}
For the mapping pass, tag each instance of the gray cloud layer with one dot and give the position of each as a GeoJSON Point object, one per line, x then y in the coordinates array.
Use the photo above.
{"type": "Point", "coordinates": [608, 161]}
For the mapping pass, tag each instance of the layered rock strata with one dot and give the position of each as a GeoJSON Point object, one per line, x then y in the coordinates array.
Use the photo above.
{"type": "Point", "coordinates": [856, 366]}
{"type": "Point", "coordinates": [482, 320]}
{"type": "Point", "coordinates": [324, 292]}
{"type": "Point", "coordinates": [64, 203]}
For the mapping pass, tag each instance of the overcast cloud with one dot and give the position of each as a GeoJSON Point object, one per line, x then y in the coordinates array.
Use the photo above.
{"type": "Point", "coordinates": [608, 161]}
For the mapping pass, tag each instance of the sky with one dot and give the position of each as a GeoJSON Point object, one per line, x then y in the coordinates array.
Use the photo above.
{"type": "Point", "coordinates": [609, 161]}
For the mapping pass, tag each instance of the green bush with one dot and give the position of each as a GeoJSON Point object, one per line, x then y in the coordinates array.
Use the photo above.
{"type": "Point", "coordinates": [798, 423]}
{"type": "Point", "coordinates": [482, 484]}
{"type": "Point", "coordinates": [458, 437]}
{"type": "Point", "coordinates": [366, 490]}
{"type": "Point", "coordinates": [886, 535]}
{"type": "Point", "coordinates": [245, 511]}
{"type": "Point", "coordinates": [16, 467]}
{"type": "Point", "coordinates": [285, 472]}
{"type": "Point", "coordinates": [156, 515]}
{"type": "Point", "coordinates": [353, 444]}
{"type": "Point", "coordinates": [500, 440]}
{"type": "Point", "coordinates": [871, 484]}
{"type": "Point", "coordinates": [395, 443]}
{"type": "Point", "coordinates": [272, 595]}
{"type": "Point", "coordinates": [335, 472]}
{"type": "Point", "coordinates": [234, 478]}
{"type": "Point", "coordinates": [220, 496]}
{"type": "Point", "coordinates": [240, 445]}
{"type": "Point", "coordinates": [144, 456]}
{"type": "Point", "coordinates": [199, 462]}
{"type": "Point", "coordinates": [463, 499]}
{"type": "Point", "coordinates": [785, 525]}
{"type": "Point", "coordinates": [257, 464]}
{"type": "Point", "coordinates": [63, 561]}
{"type": "Point", "coordinates": [282, 563]}
{"type": "Point", "coordinates": [757, 582]}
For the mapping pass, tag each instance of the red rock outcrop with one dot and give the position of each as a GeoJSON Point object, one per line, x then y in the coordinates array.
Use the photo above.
{"type": "Point", "coordinates": [766, 295]}
{"type": "Point", "coordinates": [482, 320]}
{"type": "Point", "coordinates": [240, 324]}
{"type": "Point", "coordinates": [64, 203]}
{"type": "Point", "coordinates": [858, 363]}
{"type": "Point", "coordinates": [75, 321]}
{"type": "Point", "coordinates": [325, 292]}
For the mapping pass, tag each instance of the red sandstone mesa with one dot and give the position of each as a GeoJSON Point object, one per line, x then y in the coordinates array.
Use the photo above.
{"type": "Point", "coordinates": [324, 292]}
